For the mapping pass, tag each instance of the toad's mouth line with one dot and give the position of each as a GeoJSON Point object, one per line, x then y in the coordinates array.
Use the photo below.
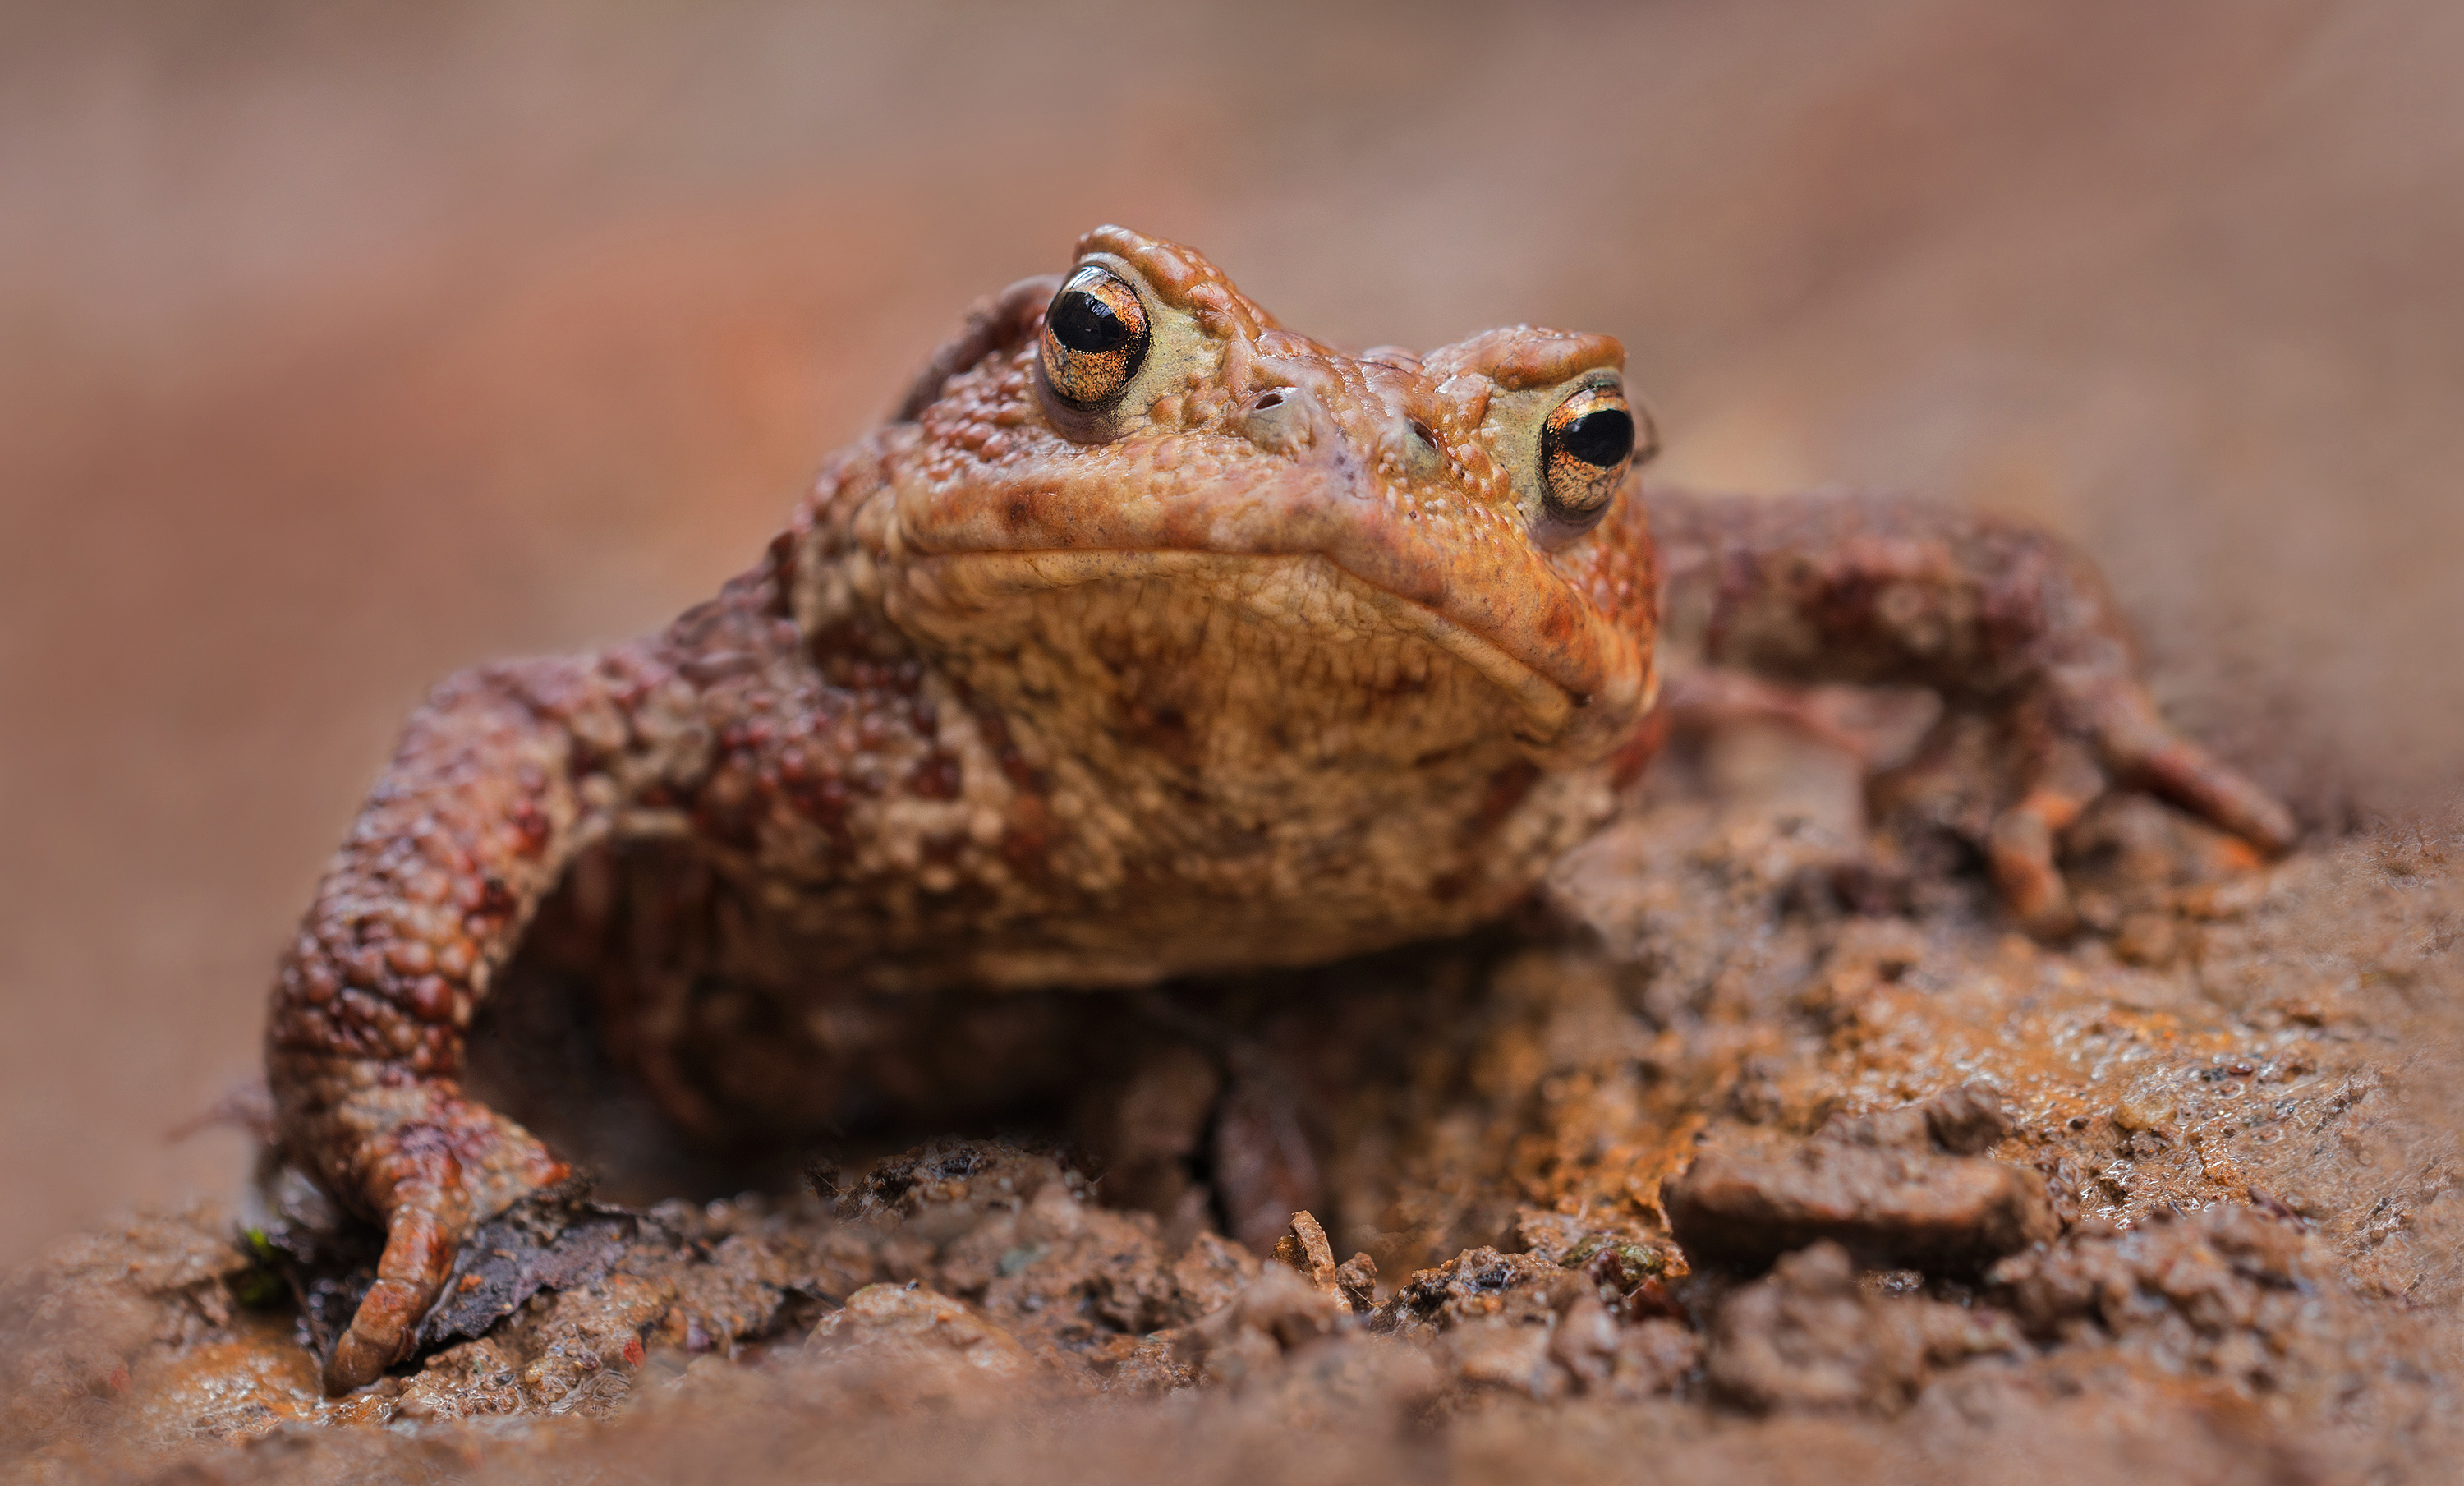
{"type": "Point", "coordinates": [970, 579]}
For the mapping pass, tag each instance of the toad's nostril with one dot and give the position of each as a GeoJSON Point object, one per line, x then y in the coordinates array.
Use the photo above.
{"type": "Point", "coordinates": [1421, 431]}
{"type": "Point", "coordinates": [1279, 420]}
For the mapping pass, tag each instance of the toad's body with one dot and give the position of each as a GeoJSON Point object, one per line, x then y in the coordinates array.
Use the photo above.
{"type": "Point", "coordinates": [1149, 637]}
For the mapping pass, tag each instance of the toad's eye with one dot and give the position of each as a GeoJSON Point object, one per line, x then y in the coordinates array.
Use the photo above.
{"type": "Point", "coordinates": [1585, 448]}
{"type": "Point", "coordinates": [1094, 336]}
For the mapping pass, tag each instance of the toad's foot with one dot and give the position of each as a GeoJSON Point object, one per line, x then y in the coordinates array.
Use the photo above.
{"type": "Point", "coordinates": [2069, 743]}
{"type": "Point", "coordinates": [2079, 739]}
{"type": "Point", "coordinates": [432, 1177]}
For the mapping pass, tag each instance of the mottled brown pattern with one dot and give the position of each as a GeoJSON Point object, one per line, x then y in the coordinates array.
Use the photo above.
{"type": "Point", "coordinates": [1272, 660]}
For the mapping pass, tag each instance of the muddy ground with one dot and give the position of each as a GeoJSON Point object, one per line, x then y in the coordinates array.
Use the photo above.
{"type": "Point", "coordinates": [1762, 1145]}
{"type": "Point", "coordinates": [343, 347]}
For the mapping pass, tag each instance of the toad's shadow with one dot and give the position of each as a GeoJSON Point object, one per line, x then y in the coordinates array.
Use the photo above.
{"type": "Point", "coordinates": [1210, 1101]}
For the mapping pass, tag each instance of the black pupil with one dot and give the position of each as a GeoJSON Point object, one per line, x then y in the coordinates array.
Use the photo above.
{"type": "Point", "coordinates": [1602, 437]}
{"type": "Point", "coordinates": [1085, 324]}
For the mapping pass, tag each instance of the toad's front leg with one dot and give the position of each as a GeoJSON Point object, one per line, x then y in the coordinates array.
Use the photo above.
{"type": "Point", "coordinates": [1857, 588]}
{"type": "Point", "coordinates": [469, 827]}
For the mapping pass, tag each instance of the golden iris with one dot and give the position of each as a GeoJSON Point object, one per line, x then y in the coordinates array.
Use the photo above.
{"type": "Point", "coordinates": [1094, 337]}
{"type": "Point", "coordinates": [1585, 448]}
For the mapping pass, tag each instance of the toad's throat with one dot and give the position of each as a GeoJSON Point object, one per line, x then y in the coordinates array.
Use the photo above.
{"type": "Point", "coordinates": [1306, 592]}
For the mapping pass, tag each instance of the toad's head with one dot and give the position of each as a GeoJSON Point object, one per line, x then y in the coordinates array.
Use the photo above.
{"type": "Point", "coordinates": [1131, 486]}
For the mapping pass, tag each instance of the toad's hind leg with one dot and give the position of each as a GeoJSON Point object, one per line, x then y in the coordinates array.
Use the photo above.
{"type": "Point", "coordinates": [469, 826]}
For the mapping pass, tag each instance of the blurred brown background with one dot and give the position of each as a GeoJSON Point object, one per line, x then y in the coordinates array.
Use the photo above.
{"type": "Point", "coordinates": [342, 345]}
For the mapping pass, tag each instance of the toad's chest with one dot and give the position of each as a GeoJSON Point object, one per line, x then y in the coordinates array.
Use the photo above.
{"type": "Point", "coordinates": [1128, 869]}
{"type": "Point", "coordinates": [1114, 783]}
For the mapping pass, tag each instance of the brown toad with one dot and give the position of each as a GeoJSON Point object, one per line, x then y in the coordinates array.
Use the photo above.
{"type": "Point", "coordinates": [1148, 638]}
